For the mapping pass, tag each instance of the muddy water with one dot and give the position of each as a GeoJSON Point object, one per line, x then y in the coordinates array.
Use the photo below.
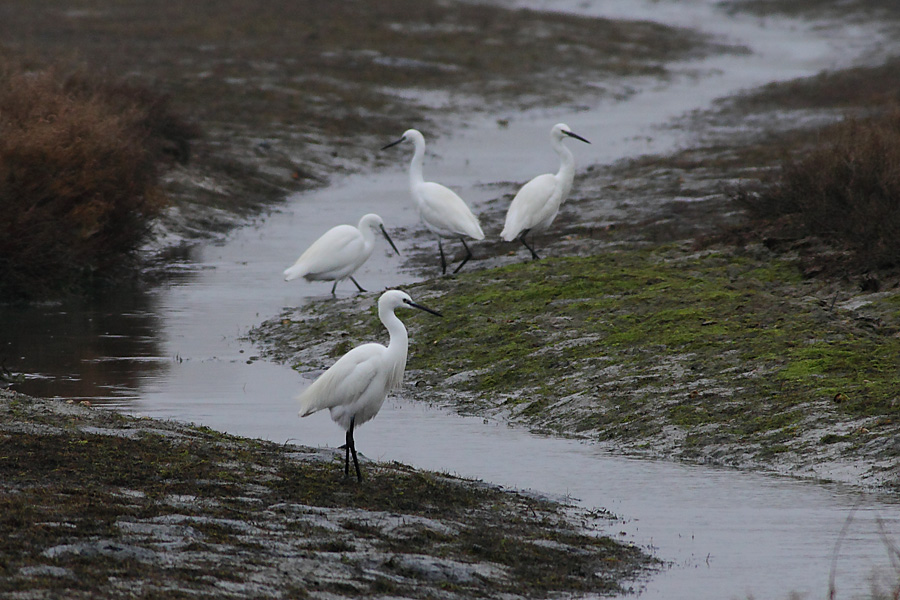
{"type": "Point", "coordinates": [176, 352]}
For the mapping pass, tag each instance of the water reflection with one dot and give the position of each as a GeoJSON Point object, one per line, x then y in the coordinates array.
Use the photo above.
{"type": "Point", "coordinates": [96, 350]}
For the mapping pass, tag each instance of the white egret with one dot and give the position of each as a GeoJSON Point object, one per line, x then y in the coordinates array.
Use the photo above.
{"type": "Point", "coordinates": [442, 211]}
{"type": "Point", "coordinates": [354, 388]}
{"type": "Point", "coordinates": [339, 253]}
{"type": "Point", "coordinates": [537, 203]}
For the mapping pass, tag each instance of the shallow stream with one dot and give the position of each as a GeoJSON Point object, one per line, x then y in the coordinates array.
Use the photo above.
{"type": "Point", "coordinates": [175, 351]}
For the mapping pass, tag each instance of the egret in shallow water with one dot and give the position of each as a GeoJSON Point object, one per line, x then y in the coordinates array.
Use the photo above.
{"type": "Point", "coordinates": [442, 211]}
{"type": "Point", "coordinates": [537, 203]}
{"type": "Point", "coordinates": [354, 388]}
{"type": "Point", "coordinates": [339, 253]}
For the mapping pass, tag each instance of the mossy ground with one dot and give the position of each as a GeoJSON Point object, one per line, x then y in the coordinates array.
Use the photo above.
{"type": "Point", "coordinates": [94, 504]}
{"type": "Point", "coordinates": [722, 315]}
{"type": "Point", "coordinates": [726, 351]}
{"type": "Point", "coordinates": [656, 329]}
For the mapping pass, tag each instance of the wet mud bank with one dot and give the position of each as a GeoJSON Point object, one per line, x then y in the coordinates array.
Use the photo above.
{"type": "Point", "coordinates": [654, 329]}
{"type": "Point", "coordinates": [292, 95]}
{"type": "Point", "coordinates": [714, 356]}
{"type": "Point", "coordinates": [100, 505]}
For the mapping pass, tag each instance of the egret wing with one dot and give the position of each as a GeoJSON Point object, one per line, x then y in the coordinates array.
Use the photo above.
{"type": "Point", "coordinates": [337, 249]}
{"type": "Point", "coordinates": [344, 382]}
{"type": "Point", "coordinates": [443, 208]}
{"type": "Point", "coordinates": [532, 204]}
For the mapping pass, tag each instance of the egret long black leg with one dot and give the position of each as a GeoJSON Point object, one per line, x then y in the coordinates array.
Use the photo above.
{"type": "Point", "coordinates": [334, 287]}
{"type": "Point", "coordinates": [347, 453]}
{"type": "Point", "coordinates": [467, 257]}
{"type": "Point", "coordinates": [534, 255]}
{"type": "Point", "coordinates": [359, 287]}
{"type": "Point", "coordinates": [351, 448]}
{"type": "Point", "coordinates": [443, 260]}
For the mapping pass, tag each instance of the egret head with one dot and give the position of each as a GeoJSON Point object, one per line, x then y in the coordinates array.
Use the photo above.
{"type": "Point", "coordinates": [375, 222]}
{"type": "Point", "coordinates": [561, 129]}
{"type": "Point", "coordinates": [393, 299]}
{"type": "Point", "coordinates": [412, 135]}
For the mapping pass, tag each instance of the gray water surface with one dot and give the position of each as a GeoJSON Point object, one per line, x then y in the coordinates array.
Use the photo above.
{"type": "Point", "coordinates": [176, 352]}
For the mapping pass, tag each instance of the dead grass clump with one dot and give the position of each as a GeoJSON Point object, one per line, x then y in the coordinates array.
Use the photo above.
{"type": "Point", "coordinates": [844, 192]}
{"type": "Point", "coordinates": [79, 160]}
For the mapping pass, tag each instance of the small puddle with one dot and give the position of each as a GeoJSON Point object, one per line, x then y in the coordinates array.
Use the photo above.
{"type": "Point", "coordinates": [176, 352]}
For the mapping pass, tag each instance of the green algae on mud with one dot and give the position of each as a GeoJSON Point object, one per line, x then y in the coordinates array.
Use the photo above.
{"type": "Point", "coordinates": [98, 505]}
{"type": "Point", "coordinates": [719, 355]}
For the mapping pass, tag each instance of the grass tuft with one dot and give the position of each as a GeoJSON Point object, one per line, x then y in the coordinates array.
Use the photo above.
{"type": "Point", "coordinates": [844, 192]}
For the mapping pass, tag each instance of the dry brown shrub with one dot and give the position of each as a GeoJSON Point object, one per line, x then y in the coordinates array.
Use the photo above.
{"type": "Point", "coordinates": [845, 192]}
{"type": "Point", "coordinates": [79, 161]}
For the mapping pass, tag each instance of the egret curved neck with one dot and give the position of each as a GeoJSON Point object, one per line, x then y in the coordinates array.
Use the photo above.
{"type": "Point", "coordinates": [397, 330]}
{"type": "Point", "coordinates": [566, 161]}
{"type": "Point", "coordinates": [367, 234]}
{"type": "Point", "coordinates": [415, 166]}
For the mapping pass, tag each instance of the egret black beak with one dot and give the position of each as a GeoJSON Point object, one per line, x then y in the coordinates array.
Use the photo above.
{"type": "Point", "coordinates": [393, 143]}
{"type": "Point", "coordinates": [388, 238]}
{"type": "Point", "coordinates": [576, 136]}
{"type": "Point", "coordinates": [425, 308]}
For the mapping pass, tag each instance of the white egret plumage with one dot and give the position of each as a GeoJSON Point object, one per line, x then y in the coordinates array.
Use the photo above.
{"type": "Point", "coordinates": [440, 208]}
{"type": "Point", "coordinates": [537, 202]}
{"type": "Point", "coordinates": [339, 253]}
{"type": "Point", "coordinates": [354, 388]}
